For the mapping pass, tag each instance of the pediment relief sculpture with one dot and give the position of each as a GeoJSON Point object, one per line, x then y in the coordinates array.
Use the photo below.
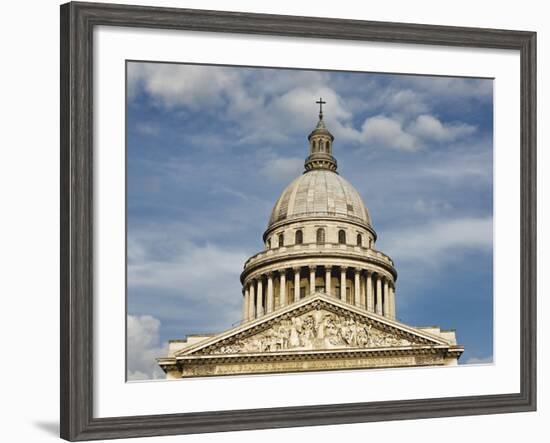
{"type": "Point", "coordinates": [316, 330]}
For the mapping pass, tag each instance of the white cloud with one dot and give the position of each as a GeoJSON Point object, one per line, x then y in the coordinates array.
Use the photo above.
{"type": "Point", "coordinates": [400, 100]}
{"type": "Point", "coordinates": [190, 85]}
{"type": "Point", "coordinates": [265, 105]}
{"type": "Point", "coordinates": [206, 272]}
{"type": "Point", "coordinates": [430, 128]}
{"type": "Point", "coordinates": [178, 263]}
{"type": "Point", "coordinates": [180, 260]}
{"type": "Point", "coordinates": [431, 207]}
{"type": "Point", "coordinates": [292, 112]}
{"type": "Point", "coordinates": [273, 106]}
{"type": "Point", "coordinates": [479, 360]}
{"type": "Point", "coordinates": [440, 241]}
{"type": "Point", "coordinates": [390, 132]}
{"type": "Point", "coordinates": [147, 128]}
{"type": "Point", "coordinates": [386, 132]}
{"type": "Point", "coordinates": [282, 169]}
{"type": "Point", "coordinates": [143, 347]}
{"type": "Point", "coordinates": [461, 165]}
{"type": "Point", "coordinates": [449, 86]}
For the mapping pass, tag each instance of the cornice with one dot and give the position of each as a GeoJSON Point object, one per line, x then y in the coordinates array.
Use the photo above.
{"type": "Point", "coordinates": [306, 254]}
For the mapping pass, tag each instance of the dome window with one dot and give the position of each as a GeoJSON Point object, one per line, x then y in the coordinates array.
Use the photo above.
{"type": "Point", "coordinates": [281, 240]}
{"type": "Point", "coordinates": [320, 236]}
{"type": "Point", "coordinates": [359, 240]}
{"type": "Point", "coordinates": [299, 237]}
{"type": "Point", "coordinates": [342, 237]}
{"type": "Point", "coordinates": [269, 243]}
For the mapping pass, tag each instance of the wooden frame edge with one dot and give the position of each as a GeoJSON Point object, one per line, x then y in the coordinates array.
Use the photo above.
{"type": "Point", "coordinates": [76, 212]}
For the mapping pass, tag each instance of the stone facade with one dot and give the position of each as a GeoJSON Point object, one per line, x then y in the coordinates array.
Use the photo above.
{"type": "Point", "coordinates": [319, 296]}
{"type": "Point", "coordinates": [320, 332]}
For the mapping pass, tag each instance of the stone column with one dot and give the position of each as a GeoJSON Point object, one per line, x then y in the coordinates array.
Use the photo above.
{"type": "Point", "coordinates": [357, 287]}
{"type": "Point", "coordinates": [387, 302]}
{"type": "Point", "coordinates": [370, 295]}
{"type": "Point", "coordinates": [328, 280]}
{"type": "Point", "coordinates": [379, 294]}
{"type": "Point", "coordinates": [282, 288]}
{"type": "Point", "coordinates": [296, 284]}
{"type": "Point", "coordinates": [245, 304]}
{"type": "Point", "coordinates": [342, 283]}
{"type": "Point", "coordinates": [270, 300]}
{"type": "Point", "coordinates": [251, 306]}
{"type": "Point", "coordinates": [311, 280]}
{"type": "Point", "coordinates": [363, 291]}
{"type": "Point", "coordinates": [259, 298]}
{"type": "Point", "coordinates": [392, 299]}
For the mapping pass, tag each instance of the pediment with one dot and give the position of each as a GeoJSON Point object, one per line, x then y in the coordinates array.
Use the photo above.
{"type": "Point", "coordinates": [318, 323]}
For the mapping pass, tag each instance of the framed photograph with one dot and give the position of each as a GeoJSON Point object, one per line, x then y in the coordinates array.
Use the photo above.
{"type": "Point", "coordinates": [273, 221]}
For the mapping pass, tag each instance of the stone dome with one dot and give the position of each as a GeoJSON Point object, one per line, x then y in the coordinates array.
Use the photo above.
{"type": "Point", "coordinates": [320, 193]}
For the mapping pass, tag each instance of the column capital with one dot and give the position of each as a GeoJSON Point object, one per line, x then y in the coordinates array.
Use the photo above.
{"type": "Point", "coordinates": [328, 267]}
{"type": "Point", "coordinates": [343, 268]}
{"type": "Point", "coordinates": [312, 267]}
{"type": "Point", "coordinates": [296, 268]}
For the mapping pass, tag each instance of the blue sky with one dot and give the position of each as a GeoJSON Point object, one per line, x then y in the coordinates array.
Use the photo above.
{"type": "Point", "coordinates": [210, 149]}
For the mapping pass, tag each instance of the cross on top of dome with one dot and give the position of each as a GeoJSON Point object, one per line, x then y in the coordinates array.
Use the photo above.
{"type": "Point", "coordinates": [320, 102]}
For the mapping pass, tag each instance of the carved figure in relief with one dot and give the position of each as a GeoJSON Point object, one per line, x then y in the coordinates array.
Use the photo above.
{"type": "Point", "coordinates": [349, 332]}
{"type": "Point", "coordinates": [284, 335]}
{"type": "Point", "coordinates": [363, 336]}
{"type": "Point", "coordinates": [308, 332]}
{"type": "Point", "coordinates": [333, 336]}
{"type": "Point", "coordinates": [294, 337]}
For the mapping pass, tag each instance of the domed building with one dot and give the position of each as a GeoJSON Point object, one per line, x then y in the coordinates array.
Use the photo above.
{"type": "Point", "coordinates": [320, 295]}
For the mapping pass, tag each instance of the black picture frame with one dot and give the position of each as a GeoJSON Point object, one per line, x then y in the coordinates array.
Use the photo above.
{"type": "Point", "coordinates": [77, 23]}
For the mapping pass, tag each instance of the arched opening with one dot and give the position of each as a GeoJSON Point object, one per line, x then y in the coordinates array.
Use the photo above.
{"type": "Point", "coordinates": [327, 146]}
{"type": "Point", "coordinates": [342, 237]}
{"type": "Point", "coordinates": [281, 240]}
{"type": "Point", "coordinates": [359, 240]}
{"type": "Point", "coordinates": [320, 236]}
{"type": "Point", "coordinates": [299, 237]}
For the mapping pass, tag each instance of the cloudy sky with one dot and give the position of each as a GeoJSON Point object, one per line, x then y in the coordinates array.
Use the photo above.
{"type": "Point", "coordinates": [210, 149]}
